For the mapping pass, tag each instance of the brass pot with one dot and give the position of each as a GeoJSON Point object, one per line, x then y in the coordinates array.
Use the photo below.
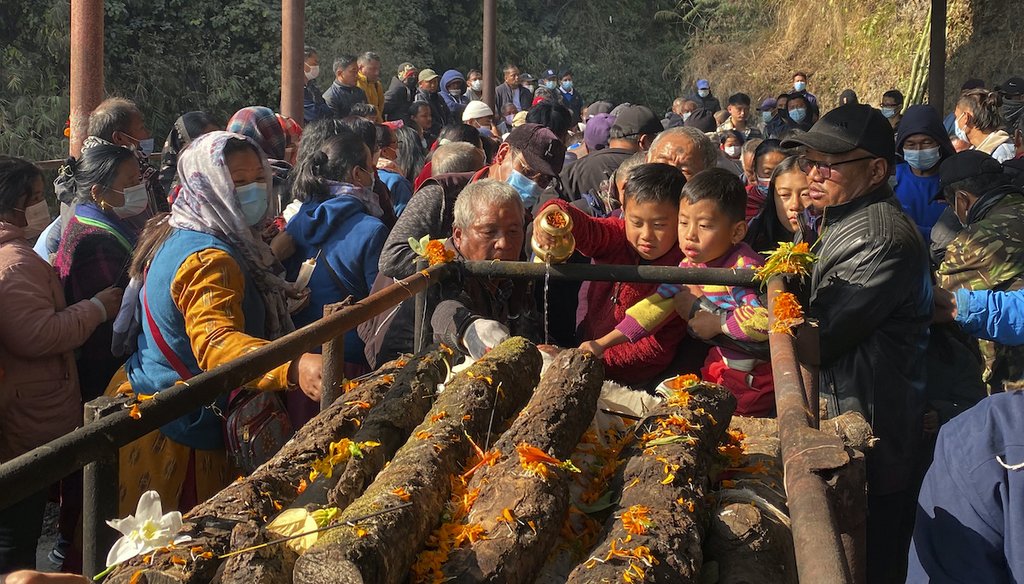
{"type": "Point", "coordinates": [558, 224]}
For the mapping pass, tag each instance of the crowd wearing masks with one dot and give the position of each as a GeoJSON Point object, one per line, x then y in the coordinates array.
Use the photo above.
{"type": "Point", "coordinates": [138, 276]}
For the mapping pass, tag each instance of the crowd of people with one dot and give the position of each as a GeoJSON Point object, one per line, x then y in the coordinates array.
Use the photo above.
{"type": "Point", "coordinates": [151, 274]}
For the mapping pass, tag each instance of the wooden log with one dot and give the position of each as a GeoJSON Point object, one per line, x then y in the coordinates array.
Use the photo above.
{"type": "Point", "coordinates": [553, 421]}
{"type": "Point", "coordinates": [269, 565]}
{"type": "Point", "coordinates": [658, 528]}
{"type": "Point", "coordinates": [382, 549]}
{"type": "Point", "coordinates": [261, 494]}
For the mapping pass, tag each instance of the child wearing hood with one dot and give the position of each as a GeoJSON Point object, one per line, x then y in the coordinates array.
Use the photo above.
{"type": "Point", "coordinates": [453, 91]}
{"type": "Point", "coordinates": [923, 144]}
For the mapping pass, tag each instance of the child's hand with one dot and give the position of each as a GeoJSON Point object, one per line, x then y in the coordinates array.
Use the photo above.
{"type": "Point", "coordinates": [683, 303]}
{"type": "Point", "coordinates": [544, 239]}
{"type": "Point", "coordinates": [594, 347]}
{"type": "Point", "coordinates": [706, 325]}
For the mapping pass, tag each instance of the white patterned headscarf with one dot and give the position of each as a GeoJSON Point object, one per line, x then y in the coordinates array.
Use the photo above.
{"type": "Point", "coordinates": [207, 203]}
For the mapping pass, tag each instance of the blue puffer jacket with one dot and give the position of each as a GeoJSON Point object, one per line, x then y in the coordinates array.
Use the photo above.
{"type": "Point", "coordinates": [970, 514]}
{"type": "Point", "coordinates": [351, 240]}
{"type": "Point", "coordinates": [996, 316]}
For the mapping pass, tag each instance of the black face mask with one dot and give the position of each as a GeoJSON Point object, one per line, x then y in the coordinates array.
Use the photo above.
{"type": "Point", "coordinates": [1013, 109]}
{"type": "Point", "coordinates": [411, 83]}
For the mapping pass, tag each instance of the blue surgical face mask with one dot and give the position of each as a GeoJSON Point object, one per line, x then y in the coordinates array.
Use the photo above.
{"type": "Point", "coordinates": [528, 190]}
{"type": "Point", "coordinates": [253, 200]}
{"type": "Point", "coordinates": [567, 86]}
{"type": "Point", "coordinates": [703, 92]}
{"type": "Point", "coordinates": [766, 117]}
{"type": "Point", "coordinates": [144, 146]}
{"type": "Point", "coordinates": [889, 112]}
{"type": "Point", "coordinates": [799, 85]}
{"type": "Point", "coordinates": [798, 114]}
{"type": "Point", "coordinates": [762, 186]}
{"type": "Point", "coordinates": [550, 84]}
{"type": "Point", "coordinates": [924, 159]}
{"type": "Point", "coordinates": [136, 200]}
{"type": "Point", "coordinates": [960, 132]}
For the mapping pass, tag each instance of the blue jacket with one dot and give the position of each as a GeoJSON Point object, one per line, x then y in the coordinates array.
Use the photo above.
{"type": "Point", "coordinates": [996, 316]}
{"type": "Point", "coordinates": [917, 196]}
{"type": "Point", "coordinates": [399, 187]}
{"type": "Point", "coordinates": [455, 104]}
{"type": "Point", "coordinates": [970, 514]}
{"type": "Point", "coordinates": [351, 240]}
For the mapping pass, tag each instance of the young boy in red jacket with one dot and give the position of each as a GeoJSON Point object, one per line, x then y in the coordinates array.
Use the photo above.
{"type": "Point", "coordinates": [645, 234]}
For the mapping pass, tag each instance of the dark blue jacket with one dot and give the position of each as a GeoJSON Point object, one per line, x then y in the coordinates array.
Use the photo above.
{"type": "Point", "coordinates": [399, 187]}
{"type": "Point", "coordinates": [996, 316]}
{"type": "Point", "coordinates": [313, 105]}
{"type": "Point", "coordinates": [340, 98]}
{"type": "Point", "coordinates": [970, 515]}
{"type": "Point", "coordinates": [351, 240]}
{"type": "Point", "coordinates": [455, 104]}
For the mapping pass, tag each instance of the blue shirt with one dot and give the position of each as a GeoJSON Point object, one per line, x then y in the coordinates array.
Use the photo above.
{"type": "Point", "coordinates": [917, 196]}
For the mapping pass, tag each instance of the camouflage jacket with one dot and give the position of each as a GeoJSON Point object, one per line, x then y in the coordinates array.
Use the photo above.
{"type": "Point", "coordinates": [989, 253]}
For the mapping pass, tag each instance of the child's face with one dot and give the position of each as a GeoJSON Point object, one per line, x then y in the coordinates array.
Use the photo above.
{"type": "Point", "coordinates": [705, 232]}
{"type": "Point", "coordinates": [791, 198]}
{"type": "Point", "coordinates": [650, 227]}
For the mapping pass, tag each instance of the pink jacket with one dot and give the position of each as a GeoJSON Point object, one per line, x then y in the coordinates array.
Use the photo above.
{"type": "Point", "coordinates": [39, 395]}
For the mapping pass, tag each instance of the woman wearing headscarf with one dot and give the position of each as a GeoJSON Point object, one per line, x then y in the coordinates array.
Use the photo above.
{"type": "Point", "coordinates": [39, 396]}
{"type": "Point", "coordinates": [209, 297]}
{"type": "Point", "coordinates": [262, 126]}
{"type": "Point", "coordinates": [185, 129]}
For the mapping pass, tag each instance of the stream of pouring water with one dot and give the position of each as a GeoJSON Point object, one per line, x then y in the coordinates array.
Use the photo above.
{"type": "Point", "coordinates": [547, 279]}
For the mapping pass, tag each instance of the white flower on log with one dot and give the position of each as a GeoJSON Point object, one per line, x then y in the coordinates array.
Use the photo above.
{"type": "Point", "coordinates": [147, 530]}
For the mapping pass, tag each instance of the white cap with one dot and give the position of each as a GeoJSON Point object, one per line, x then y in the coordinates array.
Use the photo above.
{"type": "Point", "coordinates": [475, 110]}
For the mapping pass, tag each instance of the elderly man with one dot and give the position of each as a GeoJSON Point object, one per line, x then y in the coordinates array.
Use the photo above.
{"type": "Point", "coordinates": [634, 130]}
{"type": "Point", "coordinates": [369, 81]}
{"type": "Point", "coordinates": [871, 294]}
{"type": "Point", "coordinates": [528, 160]}
{"type": "Point", "coordinates": [474, 315]}
{"type": "Point", "coordinates": [119, 121]}
{"type": "Point", "coordinates": [401, 93]}
{"type": "Point", "coordinates": [686, 148]}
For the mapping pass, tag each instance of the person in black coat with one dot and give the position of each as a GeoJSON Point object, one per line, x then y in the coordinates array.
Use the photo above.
{"type": "Point", "coordinates": [401, 93]}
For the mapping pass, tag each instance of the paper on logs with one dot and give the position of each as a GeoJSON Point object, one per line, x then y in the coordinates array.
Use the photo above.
{"type": "Point", "coordinates": [383, 549]}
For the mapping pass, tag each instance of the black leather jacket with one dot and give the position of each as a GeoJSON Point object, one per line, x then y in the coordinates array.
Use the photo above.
{"type": "Point", "coordinates": [872, 295]}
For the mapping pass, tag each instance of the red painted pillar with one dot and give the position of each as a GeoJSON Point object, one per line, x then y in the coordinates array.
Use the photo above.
{"type": "Point", "coordinates": [293, 77]}
{"type": "Point", "coordinates": [490, 54]}
{"type": "Point", "coordinates": [86, 67]}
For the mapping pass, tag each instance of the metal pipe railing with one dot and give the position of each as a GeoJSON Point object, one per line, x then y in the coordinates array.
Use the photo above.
{"type": "Point", "coordinates": [611, 273]}
{"type": "Point", "coordinates": [45, 465]}
{"type": "Point", "coordinates": [806, 455]}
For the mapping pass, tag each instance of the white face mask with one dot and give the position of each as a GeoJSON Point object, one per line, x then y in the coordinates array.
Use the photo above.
{"type": "Point", "coordinates": [37, 218]}
{"type": "Point", "coordinates": [136, 200]}
{"type": "Point", "coordinates": [313, 73]}
{"type": "Point", "coordinates": [476, 84]}
{"type": "Point", "coordinates": [732, 152]}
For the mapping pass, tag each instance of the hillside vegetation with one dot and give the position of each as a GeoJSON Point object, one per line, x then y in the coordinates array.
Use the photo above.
{"type": "Point", "coordinates": [869, 46]}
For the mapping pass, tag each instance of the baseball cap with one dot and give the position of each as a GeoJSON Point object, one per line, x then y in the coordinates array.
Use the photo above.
{"type": "Point", "coordinates": [543, 151]}
{"type": "Point", "coordinates": [1013, 86]}
{"type": "Point", "coordinates": [427, 75]}
{"type": "Point", "coordinates": [768, 104]}
{"type": "Point", "coordinates": [965, 165]}
{"type": "Point", "coordinates": [599, 107]}
{"type": "Point", "coordinates": [636, 120]}
{"type": "Point", "coordinates": [526, 77]}
{"type": "Point", "coordinates": [549, 74]}
{"type": "Point", "coordinates": [703, 120]}
{"type": "Point", "coordinates": [476, 109]}
{"type": "Point", "coordinates": [846, 128]}
{"type": "Point", "coordinates": [847, 97]}
{"type": "Point", "coordinates": [405, 68]}
{"type": "Point", "coordinates": [703, 84]}
{"type": "Point", "coordinates": [595, 135]}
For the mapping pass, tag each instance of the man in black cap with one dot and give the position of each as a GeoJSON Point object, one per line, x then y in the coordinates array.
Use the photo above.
{"type": "Point", "coordinates": [871, 294]}
{"type": "Point", "coordinates": [529, 159]}
{"type": "Point", "coordinates": [634, 130]}
{"type": "Point", "coordinates": [1013, 108]}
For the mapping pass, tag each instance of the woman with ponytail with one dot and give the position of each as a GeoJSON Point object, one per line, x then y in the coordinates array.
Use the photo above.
{"type": "Point", "coordinates": [979, 121]}
{"type": "Point", "coordinates": [339, 223]}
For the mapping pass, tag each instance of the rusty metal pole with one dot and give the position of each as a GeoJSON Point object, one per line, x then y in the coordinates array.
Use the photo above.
{"type": "Point", "coordinates": [937, 57]}
{"type": "Point", "coordinates": [809, 353]}
{"type": "Point", "coordinates": [808, 456]}
{"type": "Point", "coordinates": [293, 77]}
{"type": "Point", "coordinates": [86, 67]}
{"type": "Point", "coordinates": [490, 52]}
{"type": "Point", "coordinates": [422, 332]}
{"type": "Point", "coordinates": [333, 377]}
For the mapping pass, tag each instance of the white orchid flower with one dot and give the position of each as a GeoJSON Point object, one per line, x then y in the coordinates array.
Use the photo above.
{"type": "Point", "coordinates": [147, 530]}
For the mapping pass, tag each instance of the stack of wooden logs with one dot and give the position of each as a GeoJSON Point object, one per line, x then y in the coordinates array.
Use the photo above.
{"type": "Point", "coordinates": [477, 483]}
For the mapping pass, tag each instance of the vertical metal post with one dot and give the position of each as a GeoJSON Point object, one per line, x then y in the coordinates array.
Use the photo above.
{"type": "Point", "coordinates": [86, 67]}
{"type": "Point", "coordinates": [421, 324]}
{"type": "Point", "coordinates": [293, 78]}
{"type": "Point", "coordinates": [809, 354]}
{"type": "Point", "coordinates": [333, 377]}
{"type": "Point", "coordinates": [937, 57]}
{"type": "Point", "coordinates": [100, 492]}
{"type": "Point", "coordinates": [490, 56]}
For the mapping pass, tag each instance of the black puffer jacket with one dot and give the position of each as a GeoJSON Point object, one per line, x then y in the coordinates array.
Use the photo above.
{"type": "Point", "coordinates": [872, 295]}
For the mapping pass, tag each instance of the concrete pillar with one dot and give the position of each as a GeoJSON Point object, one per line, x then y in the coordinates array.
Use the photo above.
{"type": "Point", "coordinates": [86, 67]}
{"type": "Point", "coordinates": [293, 38]}
{"type": "Point", "coordinates": [490, 53]}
